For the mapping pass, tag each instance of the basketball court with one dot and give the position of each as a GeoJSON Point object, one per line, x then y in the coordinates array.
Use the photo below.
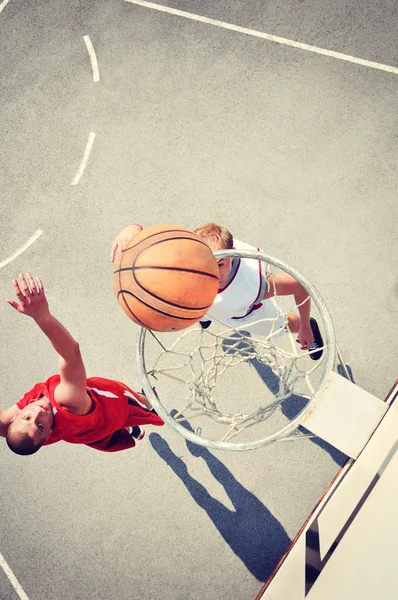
{"type": "Point", "coordinates": [121, 112]}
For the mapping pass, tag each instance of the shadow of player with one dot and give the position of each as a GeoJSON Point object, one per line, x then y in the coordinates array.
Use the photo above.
{"type": "Point", "coordinates": [294, 404]}
{"type": "Point", "coordinates": [250, 530]}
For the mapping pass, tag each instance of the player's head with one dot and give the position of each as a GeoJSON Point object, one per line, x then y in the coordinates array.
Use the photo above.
{"type": "Point", "coordinates": [218, 238]}
{"type": "Point", "coordinates": [30, 427]}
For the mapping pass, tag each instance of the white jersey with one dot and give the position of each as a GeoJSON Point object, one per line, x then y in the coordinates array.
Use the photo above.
{"type": "Point", "coordinates": [244, 291]}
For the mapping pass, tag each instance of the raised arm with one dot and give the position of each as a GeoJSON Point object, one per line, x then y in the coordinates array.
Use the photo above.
{"type": "Point", "coordinates": [72, 390]}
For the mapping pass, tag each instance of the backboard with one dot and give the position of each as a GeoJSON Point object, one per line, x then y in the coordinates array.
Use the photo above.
{"type": "Point", "coordinates": [347, 548]}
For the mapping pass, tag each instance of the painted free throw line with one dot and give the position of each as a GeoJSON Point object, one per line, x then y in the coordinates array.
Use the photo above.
{"type": "Point", "coordinates": [12, 579]}
{"type": "Point", "coordinates": [26, 245]}
{"type": "Point", "coordinates": [3, 4]}
{"type": "Point", "coordinates": [93, 57]}
{"type": "Point", "coordinates": [86, 155]}
{"type": "Point", "coordinates": [267, 36]}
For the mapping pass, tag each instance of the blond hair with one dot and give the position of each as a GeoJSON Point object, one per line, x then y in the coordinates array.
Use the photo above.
{"type": "Point", "coordinates": [217, 236]}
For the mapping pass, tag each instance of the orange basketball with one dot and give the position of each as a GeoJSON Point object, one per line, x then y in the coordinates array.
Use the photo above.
{"type": "Point", "coordinates": [166, 278]}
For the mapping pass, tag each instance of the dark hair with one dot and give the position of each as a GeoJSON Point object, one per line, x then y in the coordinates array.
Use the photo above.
{"type": "Point", "coordinates": [20, 443]}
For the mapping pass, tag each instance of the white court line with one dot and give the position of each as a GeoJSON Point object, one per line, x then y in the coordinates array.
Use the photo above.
{"type": "Point", "coordinates": [267, 36]}
{"type": "Point", "coordinates": [3, 4]}
{"type": "Point", "coordinates": [26, 245]}
{"type": "Point", "coordinates": [13, 580]}
{"type": "Point", "coordinates": [93, 58]}
{"type": "Point", "coordinates": [86, 154]}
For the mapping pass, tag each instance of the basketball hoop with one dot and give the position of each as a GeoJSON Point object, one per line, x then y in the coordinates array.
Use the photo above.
{"type": "Point", "coordinates": [228, 388]}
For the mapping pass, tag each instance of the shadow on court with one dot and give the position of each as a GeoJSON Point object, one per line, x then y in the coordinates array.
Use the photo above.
{"type": "Point", "coordinates": [292, 407]}
{"type": "Point", "coordinates": [294, 404]}
{"type": "Point", "coordinates": [251, 531]}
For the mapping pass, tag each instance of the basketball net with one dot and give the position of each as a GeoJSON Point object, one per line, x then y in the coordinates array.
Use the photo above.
{"type": "Point", "coordinates": [229, 388]}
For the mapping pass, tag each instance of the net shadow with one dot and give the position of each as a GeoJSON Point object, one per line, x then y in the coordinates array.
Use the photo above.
{"type": "Point", "coordinates": [294, 404]}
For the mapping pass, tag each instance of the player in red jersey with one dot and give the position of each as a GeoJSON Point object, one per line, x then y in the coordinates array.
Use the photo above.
{"type": "Point", "coordinates": [100, 413]}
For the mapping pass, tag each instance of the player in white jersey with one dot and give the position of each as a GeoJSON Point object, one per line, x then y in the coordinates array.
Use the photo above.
{"type": "Point", "coordinates": [246, 292]}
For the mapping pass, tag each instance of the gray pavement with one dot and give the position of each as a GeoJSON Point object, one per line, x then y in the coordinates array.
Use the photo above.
{"type": "Point", "coordinates": [294, 152]}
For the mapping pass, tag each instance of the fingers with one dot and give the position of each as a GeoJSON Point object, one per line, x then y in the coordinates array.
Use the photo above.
{"type": "Point", "coordinates": [29, 291]}
{"type": "Point", "coordinates": [32, 283]}
{"type": "Point", "coordinates": [114, 248]}
{"type": "Point", "coordinates": [17, 289]}
{"type": "Point", "coordinates": [13, 304]}
{"type": "Point", "coordinates": [23, 284]}
{"type": "Point", "coordinates": [26, 286]}
{"type": "Point", "coordinates": [304, 345]}
{"type": "Point", "coordinates": [40, 285]}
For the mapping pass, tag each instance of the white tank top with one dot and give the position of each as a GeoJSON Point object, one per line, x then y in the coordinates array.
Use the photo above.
{"type": "Point", "coordinates": [244, 290]}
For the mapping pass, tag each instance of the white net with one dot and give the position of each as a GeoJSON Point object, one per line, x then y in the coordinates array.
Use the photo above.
{"type": "Point", "coordinates": [238, 387]}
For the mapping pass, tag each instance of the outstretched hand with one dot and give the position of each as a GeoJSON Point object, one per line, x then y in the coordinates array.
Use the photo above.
{"type": "Point", "coordinates": [31, 297]}
{"type": "Point", "coordinates": [121, 240]}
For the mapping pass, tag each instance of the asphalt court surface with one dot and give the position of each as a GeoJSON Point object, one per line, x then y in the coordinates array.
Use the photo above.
{"type": "Point", "coordinates": [294, 152]}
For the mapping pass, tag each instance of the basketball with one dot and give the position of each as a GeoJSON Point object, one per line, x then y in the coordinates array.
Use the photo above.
{"type": "Point", "coordinates": [166, 278]}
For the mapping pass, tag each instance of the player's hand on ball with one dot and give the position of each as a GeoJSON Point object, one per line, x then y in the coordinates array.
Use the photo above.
{"type": "Point", "coordinates": [123, 238]}
{"type": "Point", "coordinates": [32, 300]}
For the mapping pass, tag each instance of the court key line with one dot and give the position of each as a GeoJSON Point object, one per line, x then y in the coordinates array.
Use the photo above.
{"type": "Point", "coordinates": [93, 57]}
{"type": "Point", "coordinates": [267, 36]}
{"type": "Point", "coordinates": [22, 249]}
{"type": "Point", "coordinates": [3, 5]}
{"type": "Point", "coordinates": [85, 158]}
{"type": "Point", "coordinates": [12, 579]}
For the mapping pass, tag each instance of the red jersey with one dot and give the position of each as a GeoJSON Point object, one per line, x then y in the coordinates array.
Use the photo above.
{"type": "Point", "coordinates": [114, 407]}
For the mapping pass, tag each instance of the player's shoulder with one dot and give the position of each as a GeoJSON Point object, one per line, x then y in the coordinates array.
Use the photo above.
{"type": "Point", "coordinates": [104, 385]}
{"type": "Point", "coordinates": [239, 245]}
{"type": "Point", "coordinates": [102, 382]}
{"type": "Point", "coordinates": [43, 388]}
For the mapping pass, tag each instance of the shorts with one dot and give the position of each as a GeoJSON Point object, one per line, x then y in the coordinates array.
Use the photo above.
{"type": "Point", "coordinates": [267, 309]}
